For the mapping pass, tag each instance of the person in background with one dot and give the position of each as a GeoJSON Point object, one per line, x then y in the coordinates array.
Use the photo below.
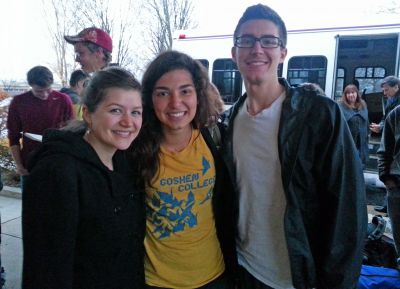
{"type": "Point", "coordinates": [391, 90]}
{"type": "Point", "coordinates": [34, 111]}
{"type": "Point", "coordinates": [389, 171]}
{"type": "Point", "coordinates": [217, 98]}
{"type": "Point", "coordinates": [76, 87]}
{"type": "Point", "coordinates": [83, 213]}
{"type": "Point", "coordinates": [302, 213]}
{"type": "Point", "coordinates": [93, 48]}
{"type": "Point", "coordinates": [355, 113]}
{"type": "Point", "coordinates": [77, 83]}
{"type": "Point", "coordinates": [190, 231]}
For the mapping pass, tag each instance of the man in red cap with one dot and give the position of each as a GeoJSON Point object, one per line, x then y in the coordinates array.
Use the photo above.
{"type": "Point", "coordinates": [93, 48]}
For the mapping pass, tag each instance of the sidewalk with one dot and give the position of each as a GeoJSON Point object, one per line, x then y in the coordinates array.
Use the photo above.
{"type": "Point", "coordinates": [11, 234]}
{"type": "Point", "coordinates": [11, 237]}
{"type": "Point", "coordinates": [11, 192]}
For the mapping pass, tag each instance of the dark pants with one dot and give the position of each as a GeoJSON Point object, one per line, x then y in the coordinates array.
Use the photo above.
{"type": "Point", "coordinates": [393, 199]}
{"type": "Point", "coordinates": [220, 283]}
{"type": "Point", "coordinates": [248, 281]}
{"type": "Point", "coordinates": [22, 180]}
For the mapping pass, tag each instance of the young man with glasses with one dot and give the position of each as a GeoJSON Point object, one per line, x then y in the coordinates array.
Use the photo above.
{"type": "Point", "coordinates": [300, 188]}
{"type": "Point", "coordinates": [93, 48]}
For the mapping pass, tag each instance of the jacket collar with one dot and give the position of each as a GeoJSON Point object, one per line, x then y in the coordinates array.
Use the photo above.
{"type": "Point", "coordinates": [293, 117]}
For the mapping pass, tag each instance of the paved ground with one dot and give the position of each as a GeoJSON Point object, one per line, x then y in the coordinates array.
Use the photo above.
{"type": "Point", "coordinates": [11, 240]}
{"type": "Point", "coordinates": [11, 236]}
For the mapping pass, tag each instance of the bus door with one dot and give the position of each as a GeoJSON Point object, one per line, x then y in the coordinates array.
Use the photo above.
{"type": "Point", "coordinates": [364, 60]}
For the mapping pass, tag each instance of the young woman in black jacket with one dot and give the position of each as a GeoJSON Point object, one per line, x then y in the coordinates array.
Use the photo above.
{"type": "Point", "coordinates": [83, 215]}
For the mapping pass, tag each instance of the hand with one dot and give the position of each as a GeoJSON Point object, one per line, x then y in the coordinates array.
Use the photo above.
{"type": "Point", "coordinates": [390, 184]}
{"type": "Point", "coordinates": [374, 127]}
{"type": "Point", "coordinates": [22, 171]}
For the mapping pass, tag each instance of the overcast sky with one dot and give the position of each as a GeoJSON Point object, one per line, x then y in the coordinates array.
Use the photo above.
{"type": "Point", "coordinates": [25, 41]}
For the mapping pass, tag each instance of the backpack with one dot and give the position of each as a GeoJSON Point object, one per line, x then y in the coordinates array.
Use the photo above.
{"type": "Point", "coordinates": [379, 250]}
{"type": "Point", "coordinates": [215, 133]}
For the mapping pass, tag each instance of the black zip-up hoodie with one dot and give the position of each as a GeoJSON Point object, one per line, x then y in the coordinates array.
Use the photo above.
{"type": "Point", "coordinates": [83, 225]}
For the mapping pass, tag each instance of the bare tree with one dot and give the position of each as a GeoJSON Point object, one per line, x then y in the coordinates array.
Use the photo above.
{"type": "Point", "coordinates": [68, 17]}
{"type": "Point", "coordinates": [169, 15]}
{"type": "Point", "coordinates": [8, 84]}
{"type": "Point", "coordinates": [118, 21]}
{"type": "Point", "coordinates": [388, 7]}
{"type": "Point", "coordinates": [59, 17]}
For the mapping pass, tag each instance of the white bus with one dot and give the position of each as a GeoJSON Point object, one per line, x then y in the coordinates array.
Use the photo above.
{"type": "Point", "coordinates": [331, 57]}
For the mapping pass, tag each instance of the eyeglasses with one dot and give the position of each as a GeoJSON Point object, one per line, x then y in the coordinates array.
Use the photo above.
{"type": "Point", "coordinates": [265, 41]}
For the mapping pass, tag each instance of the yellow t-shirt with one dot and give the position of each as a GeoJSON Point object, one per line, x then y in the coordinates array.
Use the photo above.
{"type": "Point", "coordinates": [182, 249]}
{"type": "Point", "coordinates": [78, 111]}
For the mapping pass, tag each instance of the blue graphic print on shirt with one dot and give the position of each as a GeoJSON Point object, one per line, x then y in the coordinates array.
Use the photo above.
{"type": "Point", "coordinates": [206, 165]}
{"type": "Point", "coordinates": [170, 214]}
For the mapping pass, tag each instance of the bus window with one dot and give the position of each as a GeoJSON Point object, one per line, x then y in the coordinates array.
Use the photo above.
{"type": "Point", "coordinates": [339, 86]}
{"type": "Point", "coordinates": [205, 63]}
{"type": "Point", "coordinates": [369, 78]}
{"type": "Point", "coordinates": [227, 78]}
{"type": "Point", "coordinates": [307, 69]}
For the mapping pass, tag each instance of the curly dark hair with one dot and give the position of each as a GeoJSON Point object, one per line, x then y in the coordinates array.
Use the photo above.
{"type": "Point", "coordinates": [145, 149]}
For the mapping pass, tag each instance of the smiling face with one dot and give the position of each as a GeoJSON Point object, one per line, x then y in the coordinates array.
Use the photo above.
{"type": "Point", "coordinates": [258, 64]}
{"type": "Point", "coordinates": [175, 100]}
{"type": "Point", "coordinates": [116, 121]}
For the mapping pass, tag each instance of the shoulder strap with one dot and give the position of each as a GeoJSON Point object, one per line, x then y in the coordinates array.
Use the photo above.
{"type": "Point", "coordinates": [216, 135]}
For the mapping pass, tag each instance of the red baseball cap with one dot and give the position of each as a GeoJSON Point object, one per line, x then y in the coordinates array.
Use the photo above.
{"type": "Point", "coordinates": [94, 35]}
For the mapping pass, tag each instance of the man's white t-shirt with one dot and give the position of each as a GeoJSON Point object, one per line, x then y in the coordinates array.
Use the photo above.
{"type": "Point", "coordinates": [261, 242]}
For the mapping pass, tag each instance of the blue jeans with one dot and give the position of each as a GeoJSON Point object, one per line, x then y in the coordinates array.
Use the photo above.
{"type": "Point", "coordinates": [393, 200]}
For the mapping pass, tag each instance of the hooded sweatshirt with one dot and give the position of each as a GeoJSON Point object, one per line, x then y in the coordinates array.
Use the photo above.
{"type": "Point", "coordinates": [83, 224]}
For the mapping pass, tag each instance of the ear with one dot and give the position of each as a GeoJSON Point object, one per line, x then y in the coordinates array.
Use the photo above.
{"type": "Point", "coordinates": [99, 53]}
{"type": "Point", "coordinates": [283, 54]}
{"type": "Point", "coordinates": [233, 53]}
{"type": "Point", "coordinates": [86, 115]}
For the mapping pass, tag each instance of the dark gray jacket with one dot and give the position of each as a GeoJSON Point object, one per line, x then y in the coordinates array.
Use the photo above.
{"type": "Point", "coordinates": [222, 204]}
{"type": "Point", "coordinates": [326, 218]}
{"type": "Point", "coordinates": [390, 105]}
{"type": "Point", "coordinates": [359, 127]}
{"type": "Point", "coordinates": [72, 94]}
{"type": "Point", "coordinates": [389, 149]}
